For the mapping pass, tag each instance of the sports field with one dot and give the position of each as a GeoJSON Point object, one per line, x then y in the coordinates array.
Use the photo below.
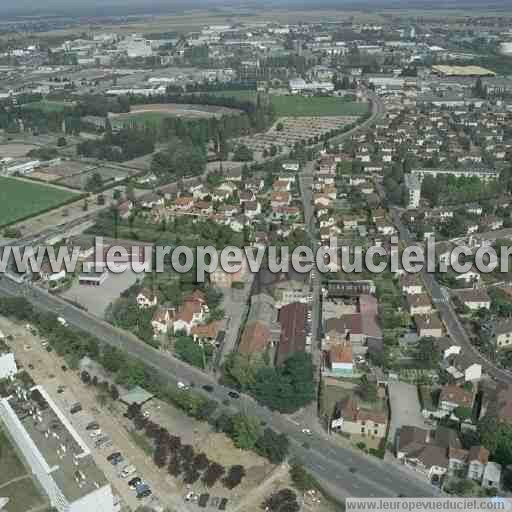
{"type": "Point", "coordinates": [20, 199]}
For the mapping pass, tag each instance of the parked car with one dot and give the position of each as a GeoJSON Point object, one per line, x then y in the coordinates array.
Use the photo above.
{"type": "Point", "coordinates": [118, 460]}
{"type": "Point", "coordinates": [128, 471]}
{"type": "Point", "coordinates": [233, 394]}
{"type": "Point", "coordinates": [223, 504]}
{"type": "Point", "coordinates": [93, 425]}
{"type": "Point", "coordinates": [113, 455]}
{"type": "Point", "coordinates": [182, 385]}
{"type": "Point", "coordinates": [95, 433]}
{"type": "Point", "coordinates": [75, 408]}
{"type": "Point", "coordinates": [143, 490]}
{"type": "Point", "coordinates": [134, 482]}
{"type": "Point", "coordinates": [203, 500]}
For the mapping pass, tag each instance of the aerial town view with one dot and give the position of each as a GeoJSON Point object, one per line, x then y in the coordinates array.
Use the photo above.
{"type": "Point", "coordinates": [254, 256]}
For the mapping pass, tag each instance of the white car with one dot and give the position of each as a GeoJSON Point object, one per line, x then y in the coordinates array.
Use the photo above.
{"type": "Point", "coordinates": [307, 431]}
{"type": "Point", "coordinates": [127, 471]}
{"type": "Point", "coordinates": [95, 433]}
{"type": "Point", "coordinates": [182, 385]}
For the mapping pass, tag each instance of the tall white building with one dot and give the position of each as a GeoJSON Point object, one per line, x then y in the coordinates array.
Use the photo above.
{"type": "Point", "coordinates": [413, 185]}
{"type": "Point", "coordinates": [58, 457]}
{"type": "Point", "coordinates": [8, 366]}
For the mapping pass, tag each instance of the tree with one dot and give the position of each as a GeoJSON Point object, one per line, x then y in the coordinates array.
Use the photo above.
{"type": "Point", "coordinates": [273, 446]}
{"type": "Point", "coordinates": [114, 392]}
{"type": "Point", "coordinates": [243, 154]}
{"type": "Point", "coordinates": [200, 462]}
{"type": "Point", "coordinates": [174, 444]}
{"type": "Point", "coordinates": [279, 127]}
{"type": "Point", "coordinates": [212, 474]}
{"type": "Point", "coordinates": [246, 431]}
{"type": "Point", "coordinates": [234, 477]}
{"type": "Point", "coordinates": [189, 351]}
{"type": "Point", "coordinates": [187, 452]}
{"type": "Point", "coordinates": [366, 389]}
{"type": "Point", "coordinates": [95, 381]}
{"type": "Point", "coordinates": [191, 476]}
{"type": "Point", "coordinates": [283, 500]}
{"type": "Point", "coordinates": [174, 467]}
{"type": "Point", "coordinates": [161, 455]}
{"type": "Point", "coordinates": [85, 377]}
{"type": "Point", "coordinates": [61, 142]}
{"type": "Point", "coordinates": [94, 183]}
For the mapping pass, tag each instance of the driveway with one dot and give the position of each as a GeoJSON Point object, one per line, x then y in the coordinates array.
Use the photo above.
{"type": "Point", "coordinates": [405, 408]}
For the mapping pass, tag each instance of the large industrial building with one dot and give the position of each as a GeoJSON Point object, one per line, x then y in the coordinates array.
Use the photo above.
{"type": "Point", "coordinates": [58, 457]}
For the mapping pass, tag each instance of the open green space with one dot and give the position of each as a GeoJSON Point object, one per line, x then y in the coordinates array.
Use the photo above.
{"type": "Point", "coordinates": [47, 106]}
{"type": "Point", "coordinates": [21, 199]}
{"type": "Point", "coordinates": [10, 464]}
{"type": "Point", "coordinates": [23, 495]}
{"type": "Point", "coordinates": [304, 106]}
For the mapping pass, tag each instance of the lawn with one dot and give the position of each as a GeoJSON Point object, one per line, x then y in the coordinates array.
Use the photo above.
{"type": "Point", "coordinates": [21, 199]}
{"type": "Point", "coordinates": [10, 464]}
{"type": "Point", "coordinates": [23, 495]}
{"type": "Point", "coordinates": [47, 106]}
{"type": "Point", "coordinates": [302, 106]}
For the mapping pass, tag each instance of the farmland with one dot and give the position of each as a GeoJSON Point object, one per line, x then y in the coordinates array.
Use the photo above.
{"type": "Point", "coordinates": [20, 199]}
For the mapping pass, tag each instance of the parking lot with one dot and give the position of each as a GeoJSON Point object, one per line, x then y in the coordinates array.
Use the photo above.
{"type": "Point", "coordinates": [65, 387]}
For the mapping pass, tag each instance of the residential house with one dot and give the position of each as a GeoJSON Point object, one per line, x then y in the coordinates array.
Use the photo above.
{"type": "Point", "coordinates": [192, 312]}
{"type": "Point", "coordinates": [419, 304]}
{"type": "Point", "coordinates": [162, 320]}
{"type": "Point", "coordinates": [352, 418]}
{"type": "Point", "coordinates": [292, 318]}
{"type": "Point", "coordinates": [340, 359]}
{"type": "Point", "coordinates": [261, 329]}
{"type": "Point", "coordinates": [429, 326]}
{"type": "Point", "coordinates": [502, 333]}
{"type": "Point", "coordinates": [184, 203]}
{"type": "Point", "coordinates": [478, 457]}
{"type": "Point", "coordinates": [491, 478]}
{"type": "Point", "coordinates": [411, 284]}
{"type": "Point", "coordinates": [50, 275]}
{"type": "Point", "coordinates": [207, 333]}
{"type": "Point", "coordinates": [146, 298]}
{"type": "Point", "coordinates": [280, 199]}
{"type": "Point", "coordinates": [453, 397]}
{"type": "Point", "coordinates": [474, 298]}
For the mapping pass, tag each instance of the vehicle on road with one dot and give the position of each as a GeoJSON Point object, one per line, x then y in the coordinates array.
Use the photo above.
{"type": "Point", "coordinates": [307, 431]}
{"type": "Point", "coordinates": [62, 321]}
{"type": "Point", "coordinates": [93, 425]}
{"type": "Point", "coordinates": [182, 385]}
{"type": "Point", "coordinates": [233, 394]}
{"type": "Point", "coordinates": [208, 388]}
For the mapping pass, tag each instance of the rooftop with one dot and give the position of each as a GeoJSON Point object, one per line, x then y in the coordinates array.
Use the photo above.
{"type": "Point", "coordinates": [65, 454]}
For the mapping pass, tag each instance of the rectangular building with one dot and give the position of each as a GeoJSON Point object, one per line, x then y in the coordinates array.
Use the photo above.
{"type": "Point", "coordinates": [58, 457]}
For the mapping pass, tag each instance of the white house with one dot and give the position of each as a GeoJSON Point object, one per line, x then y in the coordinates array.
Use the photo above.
{"type": "Point", "coordinates": [8, 366]}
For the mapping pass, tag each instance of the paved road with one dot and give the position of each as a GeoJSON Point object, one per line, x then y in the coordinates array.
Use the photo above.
{"type": "Point", "coordinates": [329, 462]}
{"type": "Point", "coordinates": [449, 316]}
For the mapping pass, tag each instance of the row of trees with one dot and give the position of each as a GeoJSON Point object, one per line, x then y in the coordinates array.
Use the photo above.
{"type": "Point", "coordinates": [181, 459]}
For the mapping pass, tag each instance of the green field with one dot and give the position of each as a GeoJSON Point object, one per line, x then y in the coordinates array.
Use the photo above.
{"type": "Point", "coordinates": [11, 466]}
{"type": "Point", "coordinates": [21, 199]}
{"type": "Point", "coordinates": [47, 106]}
{"type": "Point", "coordinates": [303, 106]}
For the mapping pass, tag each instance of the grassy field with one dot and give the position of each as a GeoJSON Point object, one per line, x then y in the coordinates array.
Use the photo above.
{"type": "Point", "coordinates": [10, 464]}
{"type": "Point", "coordinates": [21, 199]}
{"type": "Point", "coordinates": [47, 106]}
{"type": "Point", "coordinates": [302, 106]}
{"type": "Point", "coordinates": [23, 496]}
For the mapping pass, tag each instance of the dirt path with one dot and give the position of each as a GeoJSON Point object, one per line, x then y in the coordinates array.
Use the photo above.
{"type": "Point", "coordinates": [258, 494]}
